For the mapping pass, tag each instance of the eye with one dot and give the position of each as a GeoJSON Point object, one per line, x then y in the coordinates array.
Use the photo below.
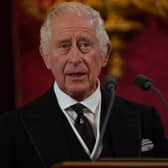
{"type": "Point", "coordinates": [84, 46]}
{"type": "Point", "coordinates": [63, 47]}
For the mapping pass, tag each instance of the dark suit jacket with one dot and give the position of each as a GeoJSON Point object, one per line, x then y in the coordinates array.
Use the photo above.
{"type": "Point", "coordinates": [39, 135]}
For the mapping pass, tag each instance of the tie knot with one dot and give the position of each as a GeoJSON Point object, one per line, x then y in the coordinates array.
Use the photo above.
{"type": "Point", "coordinates": [78, 108]}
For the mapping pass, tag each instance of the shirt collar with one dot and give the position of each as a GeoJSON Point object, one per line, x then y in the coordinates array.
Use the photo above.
{"type": "Point", "coordinates": [65, 101]}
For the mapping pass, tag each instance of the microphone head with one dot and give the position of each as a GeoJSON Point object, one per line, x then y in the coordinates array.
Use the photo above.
{"type": "Point", "coordinates": [143, 82]}
{"type": "Point", "coordinates": [109, 83]}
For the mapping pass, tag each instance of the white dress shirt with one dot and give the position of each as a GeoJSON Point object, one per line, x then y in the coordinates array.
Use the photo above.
{"type": "Point", "coordinates": [93, 104]}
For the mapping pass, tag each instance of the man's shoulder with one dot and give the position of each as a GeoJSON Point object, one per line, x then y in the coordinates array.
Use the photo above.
{"type": "Point", "coordinates": [130, 103]}
{"type": "Point", "coordinates": [131, 106]}
{"type": "Point", "coordinates": [39, 104]}
{"type": "Point", "coordinates": [125, 105]}
{"type": "Point", "coordinates": [124, 102]}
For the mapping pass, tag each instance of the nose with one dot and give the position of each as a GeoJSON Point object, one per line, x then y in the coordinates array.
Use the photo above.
{"type": "Point", "coordinates": [74, 55]}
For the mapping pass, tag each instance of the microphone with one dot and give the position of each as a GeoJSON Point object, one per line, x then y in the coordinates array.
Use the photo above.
{"type": "Point", "coordinates": [109, 86]}
{"type": "Point", "coordinates": [109, 83]}
{"type": "Point", "coordinates": [143, 82]}
{"type": "Point", "coordinates": [146, 83]}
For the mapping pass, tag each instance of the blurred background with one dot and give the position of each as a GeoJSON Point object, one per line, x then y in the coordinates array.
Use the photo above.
{"type": "Point", "coordinates": [139, 35]}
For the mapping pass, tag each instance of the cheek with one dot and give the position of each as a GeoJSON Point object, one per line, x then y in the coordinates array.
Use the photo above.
{"type": "Point", "coordinates": [95, 66]}
{"type": "Point", "coordinates": [57, 68]}
{"type": "Point", "coordinates": [57, 61]}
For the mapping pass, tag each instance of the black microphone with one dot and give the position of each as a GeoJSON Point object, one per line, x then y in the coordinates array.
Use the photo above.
{"type": "Point", "coordinates": [109, 86]}
{"type": "Point", "coordinates": [109, 83]}
{"type": "Point", "coordinates": [143, 82]}
{"type": "Point", "coordinates": [146, 83]}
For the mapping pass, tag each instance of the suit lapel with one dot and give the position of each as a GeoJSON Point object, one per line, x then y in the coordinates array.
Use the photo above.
{"type": "Point", "coordinates": [123, 128]}
{"type": "Point", "coordinates": [49, 130]}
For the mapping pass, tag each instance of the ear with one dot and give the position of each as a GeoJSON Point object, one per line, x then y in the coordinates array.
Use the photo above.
{"type": "Point", "coordinates": [106, 55]}
{"type": "Point", "coordinates": [45, 57]}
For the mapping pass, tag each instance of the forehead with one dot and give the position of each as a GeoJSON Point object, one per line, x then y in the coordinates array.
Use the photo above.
{"type": "Point", "coordinates": [71, 23]}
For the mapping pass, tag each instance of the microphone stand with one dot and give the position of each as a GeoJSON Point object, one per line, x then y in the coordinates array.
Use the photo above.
{"type": "Point", "coordinates": [99, 148]}
{"type": "Point", "coordinates": [163, 100]}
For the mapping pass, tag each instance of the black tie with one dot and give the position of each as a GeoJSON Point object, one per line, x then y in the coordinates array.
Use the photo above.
{"type": "Point", "coordinates": [83, 126]}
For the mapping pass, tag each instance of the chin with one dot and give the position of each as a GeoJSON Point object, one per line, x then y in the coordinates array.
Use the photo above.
{"type": "Point", "coordinates": [78, 93]}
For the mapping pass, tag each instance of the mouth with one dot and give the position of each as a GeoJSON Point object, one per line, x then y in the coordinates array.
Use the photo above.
{"type": "Point", "coordinates": [77, 76]}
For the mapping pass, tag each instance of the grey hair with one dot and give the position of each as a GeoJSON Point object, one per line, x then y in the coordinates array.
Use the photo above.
{"type": "Point", "coordinates": [79, 9]}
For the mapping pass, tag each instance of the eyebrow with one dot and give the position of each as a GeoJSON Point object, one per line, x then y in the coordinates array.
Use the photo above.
{"type": "Point", "coordinates": [64, 41]}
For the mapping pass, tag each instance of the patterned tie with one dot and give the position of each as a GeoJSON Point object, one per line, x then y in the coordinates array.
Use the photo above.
{"type": "Point", "coordinates": [83, 126]}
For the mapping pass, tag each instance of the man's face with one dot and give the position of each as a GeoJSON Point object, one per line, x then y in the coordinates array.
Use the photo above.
{"type": "Point", "coordinates": [74, 57]}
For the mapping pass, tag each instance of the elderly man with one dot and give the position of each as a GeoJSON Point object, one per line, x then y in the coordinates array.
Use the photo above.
{"type": "Point", "coordinates": [65, 123]}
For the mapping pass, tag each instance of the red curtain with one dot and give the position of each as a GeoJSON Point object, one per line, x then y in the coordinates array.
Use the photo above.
{"type": "Point", "coordinates": [147, 54]}
{"type": "Point", "coordinates": [32, 78]}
